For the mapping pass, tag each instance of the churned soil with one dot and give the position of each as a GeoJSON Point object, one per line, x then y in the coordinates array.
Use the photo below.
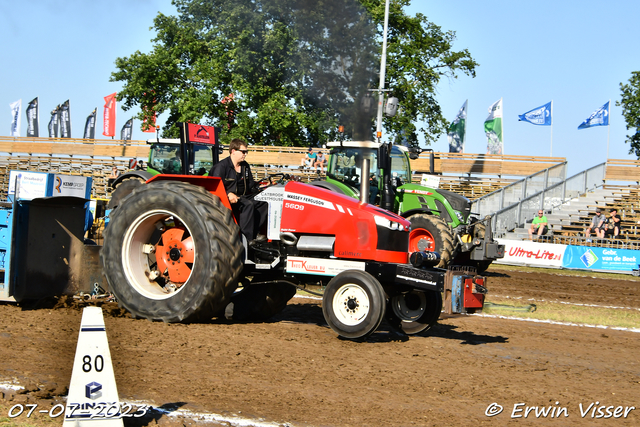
{"type": "Point", "coordinates": [295, 371]}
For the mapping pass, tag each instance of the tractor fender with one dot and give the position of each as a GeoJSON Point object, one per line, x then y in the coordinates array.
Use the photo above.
{"type": "Point", "coordinates": [212, 184]}
{"type": "Point", "coordinates": [142, 175]}
{"type": "Point", "coordinates": [407, 214]}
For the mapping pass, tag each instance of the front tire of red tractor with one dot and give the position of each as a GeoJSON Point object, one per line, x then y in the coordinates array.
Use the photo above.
{"type": "Point", "coordinates": [353, 304]}
{"type": "Point", "coordinates": [415, 311]}
{"type": "Point", "coordinates": [431, 233]}
{"type": "Point", "coordinates": [172, 252]}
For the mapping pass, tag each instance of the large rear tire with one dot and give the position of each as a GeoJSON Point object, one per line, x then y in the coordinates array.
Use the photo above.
{"type": "Point", "coordinates": [172, 252]}
{"type": "Point", "coordinates": [122, 190]}
{"type": "Point", "coordinates": [431, 233]}
{"type": "Point", "coordinates": [415, 311]}
{"type": "Point", "coordinates": [353, 304]}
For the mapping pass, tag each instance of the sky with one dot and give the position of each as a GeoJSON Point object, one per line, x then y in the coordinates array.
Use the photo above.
{"type": "Point", "coordinates": [574, 53]}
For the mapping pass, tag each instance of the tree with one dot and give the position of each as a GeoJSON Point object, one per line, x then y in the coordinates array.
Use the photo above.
{"type": "Point", "coordinates": [630, 103]}
{"type": "Point", "coordinates": [292, 70]}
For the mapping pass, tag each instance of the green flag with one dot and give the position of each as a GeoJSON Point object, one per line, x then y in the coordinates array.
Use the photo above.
{"type": "Point", "coordinates": [493, 128]}
{"type": "Point", "coordinates": [457, 131]}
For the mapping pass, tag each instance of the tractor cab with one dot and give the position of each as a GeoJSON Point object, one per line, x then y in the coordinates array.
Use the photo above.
{"type": "Point", "coordinates": [165, 157]}
{"type": "Point", "coordinates": [345, 166]}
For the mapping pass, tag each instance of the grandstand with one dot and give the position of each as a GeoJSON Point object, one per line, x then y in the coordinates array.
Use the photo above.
{"type": "Point", "coordinates": [620, 189]}
{"type": "Point", "coordinates": [472, 175]}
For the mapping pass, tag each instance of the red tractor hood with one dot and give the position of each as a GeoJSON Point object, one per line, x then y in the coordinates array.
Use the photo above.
{"type": "Point", "coordinates": [362, 231]}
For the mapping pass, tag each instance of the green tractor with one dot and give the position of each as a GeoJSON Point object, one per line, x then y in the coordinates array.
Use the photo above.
{"type": "Point", "coordinates": [169, 156]}
{"type": "Point", "coordinates": [441, 221]}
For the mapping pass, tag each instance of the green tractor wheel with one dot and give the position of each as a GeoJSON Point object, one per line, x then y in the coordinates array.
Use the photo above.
{"type": "Point", "coordinates": [431, 233]}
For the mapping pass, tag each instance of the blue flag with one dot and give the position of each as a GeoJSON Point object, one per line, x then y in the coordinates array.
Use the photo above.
{"type": "Point", "coordinates": [538, 116]}
{"type": "Point", "coordinates": [600, 117]}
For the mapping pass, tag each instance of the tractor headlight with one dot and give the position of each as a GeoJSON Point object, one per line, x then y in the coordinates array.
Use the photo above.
{"type": "Point", "coordinates": [387, 223]}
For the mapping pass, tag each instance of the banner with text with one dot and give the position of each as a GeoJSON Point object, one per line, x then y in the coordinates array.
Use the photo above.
{"type": "Point", "coordinates": [592, 258]}
{"type": "Point", "coordinates": [532, 253]}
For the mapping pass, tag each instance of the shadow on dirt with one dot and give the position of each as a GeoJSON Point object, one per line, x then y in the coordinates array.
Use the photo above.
{"type": "Point", "coordinates": [312, 314]}
{"type": "Point", "coordinates": [495, 274]}
{"type": "Point", "coordinates": [153, 415]}
{"type": "Point", "coordinates": [465, 337]}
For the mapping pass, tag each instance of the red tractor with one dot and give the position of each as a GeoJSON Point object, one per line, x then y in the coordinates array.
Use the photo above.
{"type": "Point", "coordinates": [174, 252]}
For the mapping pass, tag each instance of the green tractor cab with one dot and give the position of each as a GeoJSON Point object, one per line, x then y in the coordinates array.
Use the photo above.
{"type": "Point", "coordinates": [441, 221]}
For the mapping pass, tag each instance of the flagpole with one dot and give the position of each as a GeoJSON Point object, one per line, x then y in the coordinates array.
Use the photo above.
{"type": "Point", "coordinates": [502, 126]}
{"type": "Point", "coordinates": [551, 149]}
{"type": "Point", "coordinates": [608, 127]}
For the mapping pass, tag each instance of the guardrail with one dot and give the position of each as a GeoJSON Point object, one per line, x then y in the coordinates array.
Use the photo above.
{"type": "Point", "coordinates": [550, 198]}
{"type": "Point", "coordinates": [519, 190]}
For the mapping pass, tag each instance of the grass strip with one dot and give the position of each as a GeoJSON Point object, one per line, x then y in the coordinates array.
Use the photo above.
{"type": "Point", "coordinates": [614, 317]}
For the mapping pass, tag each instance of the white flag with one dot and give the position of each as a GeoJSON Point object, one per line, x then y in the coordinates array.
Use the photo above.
{"type": "Point", "coordinates": [493, 128]}
{"type": "Point", "coordinates": [15, 117]}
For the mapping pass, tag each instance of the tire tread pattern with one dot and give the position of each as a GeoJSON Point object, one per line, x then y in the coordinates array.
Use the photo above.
{"type": "Point", "coordinates": [215, 231]}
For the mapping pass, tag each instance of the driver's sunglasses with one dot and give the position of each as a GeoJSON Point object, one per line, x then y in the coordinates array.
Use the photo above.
{"type": "Point", "coordinates": [244, 152]}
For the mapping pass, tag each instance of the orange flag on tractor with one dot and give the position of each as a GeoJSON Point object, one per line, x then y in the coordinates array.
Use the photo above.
{"type": "Point", "coordinates": [110, 115]}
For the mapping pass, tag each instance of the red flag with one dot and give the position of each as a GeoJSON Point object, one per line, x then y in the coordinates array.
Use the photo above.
{"type": "Point", "coordinates": [149, 127]}
{"type": "Point", "coordinates": [110, 115]}
{"type": "Point", "coordinates": [146, 126]}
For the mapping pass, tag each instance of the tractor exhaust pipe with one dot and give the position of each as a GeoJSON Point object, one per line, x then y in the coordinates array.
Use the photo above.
{"type": "Point", "coordinates": [364, 182]}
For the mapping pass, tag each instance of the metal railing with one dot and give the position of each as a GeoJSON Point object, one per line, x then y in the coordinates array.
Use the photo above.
{"type": "Point", "coordinates": [511, 207]}
{"type": "Point", "coordinates": [519, 190]}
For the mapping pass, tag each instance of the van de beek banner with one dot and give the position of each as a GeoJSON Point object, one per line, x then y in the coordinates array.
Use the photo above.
{"type": "Point", "coordinates": [592, 258]}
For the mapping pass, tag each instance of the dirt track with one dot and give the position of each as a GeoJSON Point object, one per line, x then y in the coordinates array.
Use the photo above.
{"type": "Point", "coordinates": [295, 370]}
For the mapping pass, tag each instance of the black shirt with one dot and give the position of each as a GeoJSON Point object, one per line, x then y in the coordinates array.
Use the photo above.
{"type": "Point", "coordinates": [238, 183]}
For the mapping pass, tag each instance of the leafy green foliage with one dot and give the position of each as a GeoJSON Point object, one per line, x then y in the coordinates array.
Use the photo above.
{"type": "Point", "coordinates": [291, 71]}
{"type": "Point", "coordinates": [630, 103]}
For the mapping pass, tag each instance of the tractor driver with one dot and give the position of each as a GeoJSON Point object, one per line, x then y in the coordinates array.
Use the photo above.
{"type": "Point", "coordinates": [239, 184]}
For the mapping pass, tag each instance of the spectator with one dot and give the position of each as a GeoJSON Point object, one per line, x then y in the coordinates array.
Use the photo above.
{"type": "Point", "coordinates": [321, 161]}
{"type": "Point", "coordinates": [114, 175]}
{"type": "Point", "coordinates": [114, 172]}
{"type": "Point", "coordinates": [596, 224]}
{"type": "Point", "coordinates": [309, 159]}
{"type": "Point", "coordinates": [538, 225]}
{"type": "Point", "coordinates": [238, 183]}
{"type": "Point", "coordinates": [611, 226]}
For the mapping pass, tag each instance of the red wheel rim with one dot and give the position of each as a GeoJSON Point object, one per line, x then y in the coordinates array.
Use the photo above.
{"type": "Point", "coordinates": [175, 255]}
{"type": "Point", "coordinates": [420, 240]}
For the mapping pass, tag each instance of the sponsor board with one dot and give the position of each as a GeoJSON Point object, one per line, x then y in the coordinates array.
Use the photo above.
{"type": "Point", "coordinates": [593, 258]}
{"type": "Point", "coordinates": [321, 266]}
{"type": "Point", "coordinates": [431, 181]}
{"type": "Point", "coordinates": [32, 184]}
{"type": "Point", "coordinates": [531, 253]}
{"type": "Point", "coordinates": [69, 185]}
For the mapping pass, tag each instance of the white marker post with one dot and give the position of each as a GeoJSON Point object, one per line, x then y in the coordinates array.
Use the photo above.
{"type": "Point", "coordinates": [93, 395]}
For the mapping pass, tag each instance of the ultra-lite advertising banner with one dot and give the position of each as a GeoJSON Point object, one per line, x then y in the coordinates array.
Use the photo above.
{"type": "Point", "coordinates": [568, 256]}
{"type": "Point", "coordinates": [531, 253]}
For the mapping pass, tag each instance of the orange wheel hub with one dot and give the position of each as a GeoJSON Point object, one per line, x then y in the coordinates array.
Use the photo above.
{"type": "Point", "coordinates": [421, 240]}
{"type": "Point", "coordinates": [175, 255]}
